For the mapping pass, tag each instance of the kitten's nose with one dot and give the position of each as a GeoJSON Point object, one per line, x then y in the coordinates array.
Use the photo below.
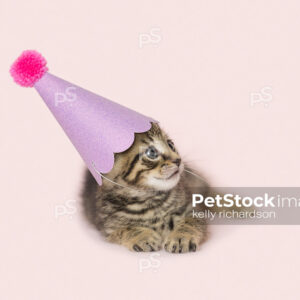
{"type": "Point", "coordinates": [177, 162]}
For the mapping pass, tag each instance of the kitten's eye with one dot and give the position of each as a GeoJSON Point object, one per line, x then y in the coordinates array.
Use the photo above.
{"type": "Point", "coordinates": [171, 145]}
{"type": "Point", "coordinates": [151, 153]}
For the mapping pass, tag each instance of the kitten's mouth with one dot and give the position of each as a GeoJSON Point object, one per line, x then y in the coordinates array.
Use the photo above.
{"type": "Point", "coordinates": [172, 175]}
{"type": "Point", "coordinates": [169, 177]}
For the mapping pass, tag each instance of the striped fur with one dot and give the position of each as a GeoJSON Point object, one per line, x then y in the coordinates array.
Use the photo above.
{"type": "Point", "coordinates": [153, 208]}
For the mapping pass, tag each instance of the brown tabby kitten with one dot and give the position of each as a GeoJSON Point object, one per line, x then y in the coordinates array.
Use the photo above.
{"type": "Point", "coordinates": [152, 209]}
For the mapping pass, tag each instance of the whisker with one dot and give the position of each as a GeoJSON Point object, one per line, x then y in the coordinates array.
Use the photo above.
{"type": "Point", "coordinates": [191, 161]}
{"type": "Point", "coordinates": [127, 187]}
{"type": "Point", "coordinates": [196, 175]}
{"type": "Point", "coordinates": [123, 186]}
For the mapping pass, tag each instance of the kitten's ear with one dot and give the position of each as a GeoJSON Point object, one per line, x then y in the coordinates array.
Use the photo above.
{"type": "Point", "coordinates": [155, 130]}
{"type": "Point", "coordinates": [116, 156]}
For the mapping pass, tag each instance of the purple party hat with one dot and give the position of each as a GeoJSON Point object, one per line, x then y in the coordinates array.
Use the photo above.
{"type": "Point", "coordinates": [96, 126]}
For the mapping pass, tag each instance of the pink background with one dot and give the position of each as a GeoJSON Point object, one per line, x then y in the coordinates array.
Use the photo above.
{"type": "Point", "coordinates": [197, 80]}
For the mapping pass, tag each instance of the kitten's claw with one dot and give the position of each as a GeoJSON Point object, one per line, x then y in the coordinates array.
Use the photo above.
{"type": "Point", "coordinates": [181, 243]}
{"type": "Point", "coordinates": [192, 246]}
{"type": "Point", "coordinates": [137, 248]}
{"type": "Point", "coordinates": [146, 246]}
{"type": "Point", "coordinates": [148, 241]}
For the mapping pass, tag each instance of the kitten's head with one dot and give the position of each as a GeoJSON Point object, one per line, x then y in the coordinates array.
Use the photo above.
{"type": "Point", "coordinates": [151, 162]}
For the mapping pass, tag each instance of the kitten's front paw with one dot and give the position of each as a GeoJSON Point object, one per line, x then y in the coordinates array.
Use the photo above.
{"type": "Point", "coordinates": [146, 241]}
{"type": "Point", "coordinates": [182, 242]}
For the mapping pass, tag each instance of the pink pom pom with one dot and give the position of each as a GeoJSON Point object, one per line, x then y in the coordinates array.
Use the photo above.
{"type": "Point", "coordinates": [28, 68]}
